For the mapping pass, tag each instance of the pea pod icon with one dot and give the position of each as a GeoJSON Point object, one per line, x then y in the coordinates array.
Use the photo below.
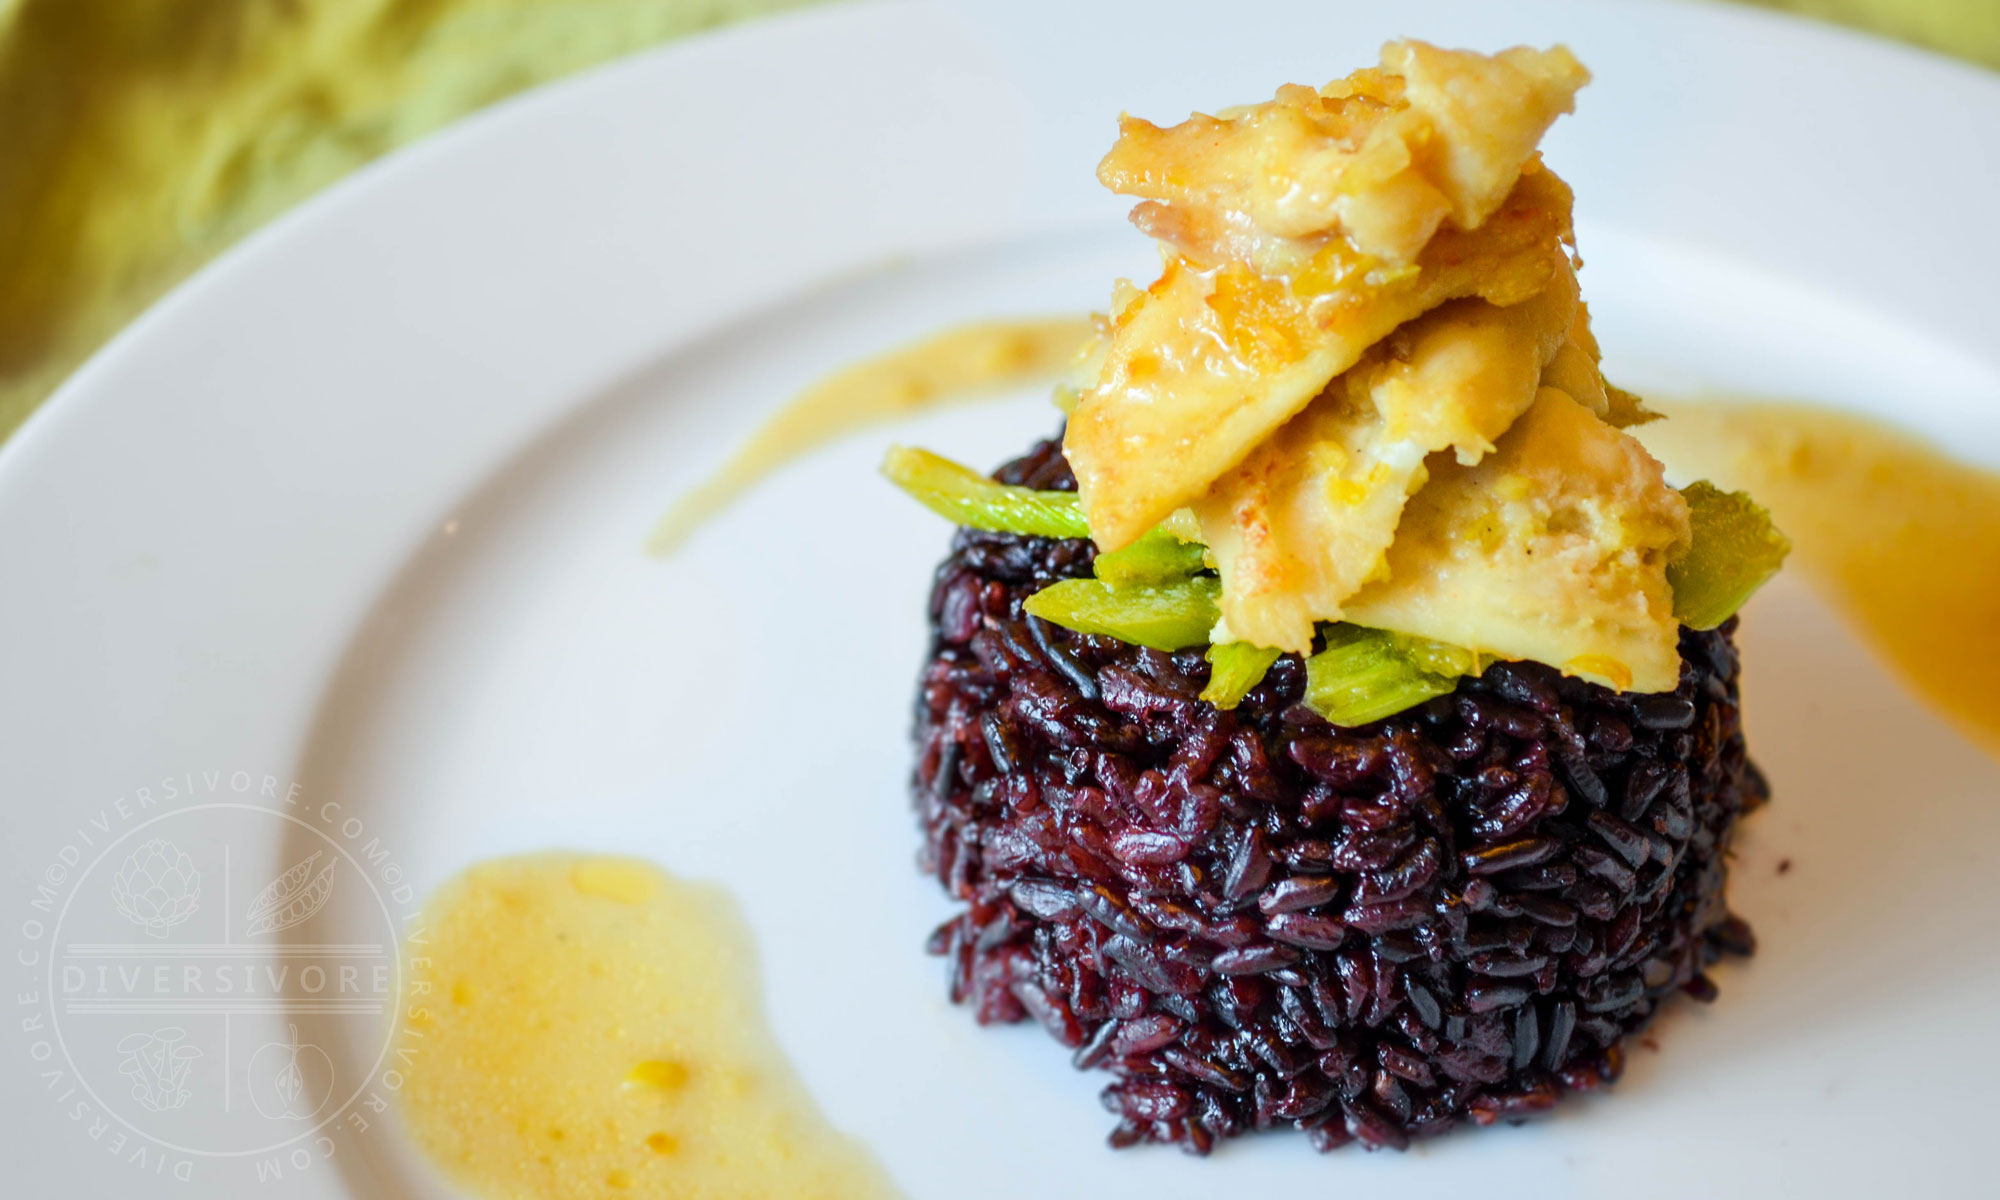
{"type": "Point", "coordinates": [293, 897]}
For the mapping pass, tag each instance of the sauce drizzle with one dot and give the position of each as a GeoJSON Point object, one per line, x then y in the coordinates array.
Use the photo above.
{"type": "Point", "coordinates": [1904, 541]}
{"type": "Point", "coordinates": [954, 366]}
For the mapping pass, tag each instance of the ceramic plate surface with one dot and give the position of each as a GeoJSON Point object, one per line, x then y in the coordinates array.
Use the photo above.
{"type": "Point", "coordinates": [336, 552]}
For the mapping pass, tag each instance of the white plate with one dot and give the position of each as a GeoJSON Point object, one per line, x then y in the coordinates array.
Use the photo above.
{"type": "Point", "coordinates": [360, 508]}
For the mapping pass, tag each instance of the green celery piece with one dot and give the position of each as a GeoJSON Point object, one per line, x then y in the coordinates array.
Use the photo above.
{"type": "Point", "coordinates": [1437, 658]}
{"type": "Point", "coordinates": [1364, 675]}
{"type": "Point", "coordinates": [1235, 668]}
{"type": "Point", "coordinates": [1158, 557]}
{"type": "Point", "coordinates": [1169, 616]}
{"type": "Point", "coordinates": [1735, 551]}
{"type": "Point", "coordinates": [962, 495]}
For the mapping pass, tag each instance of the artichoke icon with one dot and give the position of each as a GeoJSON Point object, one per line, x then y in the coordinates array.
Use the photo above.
{"type": "Point", "coordinates": [157, 887]}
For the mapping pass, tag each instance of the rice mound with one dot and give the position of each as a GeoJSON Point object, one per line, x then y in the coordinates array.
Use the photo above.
{"type": "Point", "coordinates": [1254, 919]}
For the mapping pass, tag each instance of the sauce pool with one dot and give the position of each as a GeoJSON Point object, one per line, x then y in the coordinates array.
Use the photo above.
{"type": "Point", "coordinates": [1904, 541]}
{"type": "Point", "coordinates": [586, 1027]}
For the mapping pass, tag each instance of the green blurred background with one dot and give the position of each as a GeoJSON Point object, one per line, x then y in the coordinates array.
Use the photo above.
{"type": "Point", "coordinates": [140, 137]}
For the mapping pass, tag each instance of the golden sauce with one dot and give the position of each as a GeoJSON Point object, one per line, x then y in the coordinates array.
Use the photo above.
{"type": "Point", "coordinates": [1904, 541]}
{"type": "Point", "coordinates": [956, 365]}
{"type": "Point", "coordinates": [580, 1026]}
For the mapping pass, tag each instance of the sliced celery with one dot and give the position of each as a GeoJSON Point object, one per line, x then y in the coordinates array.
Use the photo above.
{"type": "Point", "coordinates": [963, 495]}
{"type": "Point", "coordinates": [1158, 557]}
{"type": "Point", "coordinates": [1364, 675]}
{"type": "Point", "coordinates": [1735, 551]}
{"type": "Point", "coordinates": [1436, 658]}
{"type": "Point", "coordinates": [1171, 616]}
{"type": "Point", "coordinates": [1235, 668]}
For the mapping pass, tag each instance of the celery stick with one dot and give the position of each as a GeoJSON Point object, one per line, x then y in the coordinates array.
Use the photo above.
{"type": "Point", "coordinates": [1170, 616]}
{"type": "Point", "coordinates": [1735, 551]}
{"type": "Point", "coordinates": [1158, 557]}
{"type": "Point", "coordinates": [1437, 658]}
{"type": "Point", "coordinates": [1235, 668]}
{"type": "Point", "coordinates": [963, 495]}
{"type": "Point", "coordinates": [1364, 675]}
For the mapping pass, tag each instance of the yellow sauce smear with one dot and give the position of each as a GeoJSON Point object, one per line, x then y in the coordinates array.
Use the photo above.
{"type": "Point", "coordinates": [959, 364]}
{"type": "Point", "coordinates": [1904, 541]}
{"type": "Point", "coordinates": [590, 1027]}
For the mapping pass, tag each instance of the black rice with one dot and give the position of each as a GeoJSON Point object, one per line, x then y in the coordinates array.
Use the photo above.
{"type": "Point", "coordinates": [1254, 919]}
